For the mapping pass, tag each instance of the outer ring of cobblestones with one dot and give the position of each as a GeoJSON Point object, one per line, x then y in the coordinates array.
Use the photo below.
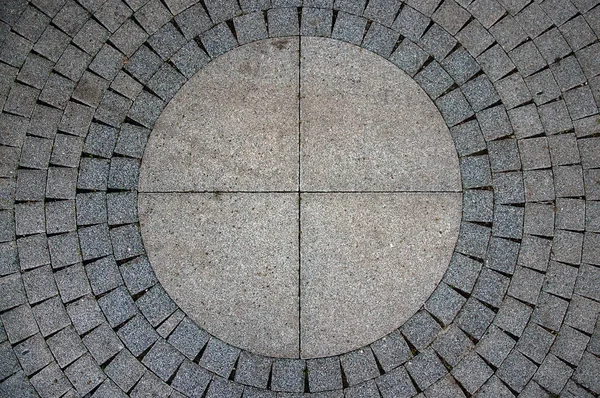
{"type": "Point", "coordinates": [517, 309]}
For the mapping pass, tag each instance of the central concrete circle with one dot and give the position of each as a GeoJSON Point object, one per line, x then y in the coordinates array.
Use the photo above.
{"type": "Point", "coordinates": [300, 197]}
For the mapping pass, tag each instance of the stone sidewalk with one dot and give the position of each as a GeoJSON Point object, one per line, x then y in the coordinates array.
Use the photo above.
{"type": "Point", "coordinates": [81, 87]}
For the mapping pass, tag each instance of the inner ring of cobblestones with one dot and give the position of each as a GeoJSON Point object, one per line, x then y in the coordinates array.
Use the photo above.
{"type": "Point", "coordinates": [300, 197]}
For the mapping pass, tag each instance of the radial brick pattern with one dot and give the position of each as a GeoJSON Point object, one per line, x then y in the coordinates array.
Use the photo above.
{"type": "Point", "coordinates": [81, 86]}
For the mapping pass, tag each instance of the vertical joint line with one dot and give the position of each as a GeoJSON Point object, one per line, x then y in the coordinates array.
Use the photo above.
{"type": "Point", "coordinates": [299, 196]}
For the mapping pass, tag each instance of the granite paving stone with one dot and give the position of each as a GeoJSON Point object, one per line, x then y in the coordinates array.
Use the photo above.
{"type": "Point", "coordinates": [539, 219]}
{"type": "Point", "coordinates": [359, 366]}
{"type": "Point", "coordinates": [50, 381]}
{"type": "Point", "coordinates": [382, 11]}
{"type": "Point", "coordinates": [156, 305]}
{"type": "Point", "coordinates": [191, 379]}
{"type": "Point", "coordinates": [437, 42]}
{"type": "Point", "coordinates": [452, 345]}
{"type": "Point", "coordinates": [84, 374]}
{"type": "Point", "coordinates": [480, 93]}
{"type": "Point", "coordinates": [491, 287]}
{"type": "Point", "coordinates": [51, 316]}
{"type": "Point", "coordinates": [535, 342]}
{"type": "Point", "coordinates": [163, 360]}
{"type": "Point", "coordinates": [61, 183]}
{"type": "Point", "coordinates": [85, 314]}
{"type": "Point", "coordinates": [592, 184]}
{"type": "Point", "coordinates": [550, 311]}
{"type": "Point", "coordinates": [33, 354]}
{"type": "Point", "coordinates": [451, 16]}
{"type": "Point", "coordinates": [254, 370]}
{"type": "Point", "coordinates": [538, 185]}
{"type": "Point", "coordinates": [112, 109]}
{"type": "Point", "coordinates": [117, 306]}
{"type": "Point", "coordinates": [124, 370]}
{"type": "Point", "coordinates": [9, 364]}
{"type": "Point", "coordinates": [512, 317]}
{"type": "Point", "coordinates": [33, 251]}
{"type": "Point", "coordinates": [91, 37]}
{"type": "Point", "coordinates": [193, 21]}
{"type": "Point", "coordinates": [426, 368]}
{"type": "Point", "coordinates": [152, 15]}
{"type": "Point", "coordinates": [137, 335]}
{"type": "Point", "coordinates": [444, 303]}
{"type": "Point", "coordinates": [35, 153]}
{"type": "Point", "coordinates": [410, 23]}
{"type": "Point", "coordinates": [570, 345]}
{"type": "Point", "coordinates": [189, 339]}
{"type": "Point", "coordinates": [318, 22]}
{"type": "Point", "coordinates": [169, 325]}
{"type": "Point", "coordinates": [585, 372]}
{"type": "Point", "coordinates": [60, 216]}
{"type": "Point", "coordinates": [560, 279]}
{"type": "Point", "coordinates": [409, 57]}
{"type": "Point", "coordinates": [445, 387]}
{"type": "Point", "coordinates": [56, 92]}
{"type": "Point", "coordinates": [553, 374]}
{"type": "Point", "coordinates": [151, 385]}
{"type": "Point", "coordinates": [288, 375]}
{"type": "Point", "coordinates": [66, 150]}
{"type": "Point", "coordinates": [472, 372]}
{"type": "Point", "coordinates": [250, 27]}
{"type": "Point", "coordinates": [66, 346]}
{"type": "Point", "coordinates": [475, 38]}
{"type": "Point", "coordinates": [367, 389]}
{"type": "Point", "coordinates": [39, 284]}
{"type": "Point", "coordinates": [396, 383]}
{"type": "Point", "coordinates": [220, 358]}
{"type": "Point", "coordinates": [509, 33]}
{"type": "Point", "coordinates": [72, 282]}
{"type": "Point", "coordinates": [103, 275]}
{"type": "Point", "coordinates": [29, 218]}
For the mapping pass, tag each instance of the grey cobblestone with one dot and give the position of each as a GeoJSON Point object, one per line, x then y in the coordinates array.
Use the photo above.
{"type": "Point", "coordinates": [66, 346]}
{"type": "Point", "coordinates": [137, 335]}
{"type": "Point", "coordinates": [359, 366]}
{"type": "Point", "coordinates": [103, 275]}
{"type": "Point", "coordinates": [220, 358]}
{"type": "Point", "coordinates": [254, 370]}
{"type": "Point", "coordinates": [50, 381]}
{"type": "Point", "coordinates": [191, 379]}
{"type": "Point", "coordinates": [475, 38]}
{"type": "Point", "coordinates": [426, 368]}
{"type": "Point", "coordinates": [163, 360]}
{"type": "Point", "coordinates": [437, 42]}
{"type": "Point", "coordinates": [33, 354]}
{"type": "Point", "coordinates": [72, 282]}
{"type": "Point", "coordinates": [452, 345]}
{"type": "Point", "coordinates": [85, 314]}
{"type": "Point", "coordinates": [124, 370]}
{"type": "Point", "coordinates": [410, 23]}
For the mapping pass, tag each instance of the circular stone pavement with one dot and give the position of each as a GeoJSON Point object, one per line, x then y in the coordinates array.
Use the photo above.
{"type": "Point", "coordinates": [300, 197]}
{"type": "Point", "coordinates": [84, 83]}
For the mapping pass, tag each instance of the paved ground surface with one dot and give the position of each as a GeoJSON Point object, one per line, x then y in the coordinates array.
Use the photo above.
{"type": "Point", "coordinates": [314, 221]}
{"type": "Point", "coordinates": [82, 85]}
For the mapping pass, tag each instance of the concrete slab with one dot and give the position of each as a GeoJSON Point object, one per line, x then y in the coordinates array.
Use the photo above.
{"type": "Point", "coordinates": [367, 126]}
{"type": "Point", "coordinates": [232, 127]}
{"type": "Point", "coordinates": [230, 261]}
{"type": "Point", "coordinates": [368, 262]}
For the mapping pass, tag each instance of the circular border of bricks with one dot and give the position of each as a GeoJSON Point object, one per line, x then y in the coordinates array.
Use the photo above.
{"type": "Point", "coordinates": [470, 336]}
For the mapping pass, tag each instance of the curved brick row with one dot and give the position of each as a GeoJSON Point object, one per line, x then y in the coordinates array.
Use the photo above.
{"type": "Point", "coordinates": [82, 312]}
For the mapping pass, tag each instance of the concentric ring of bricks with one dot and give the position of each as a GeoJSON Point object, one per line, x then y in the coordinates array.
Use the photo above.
{"type": "Point", "coordinates": [507, 318]}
